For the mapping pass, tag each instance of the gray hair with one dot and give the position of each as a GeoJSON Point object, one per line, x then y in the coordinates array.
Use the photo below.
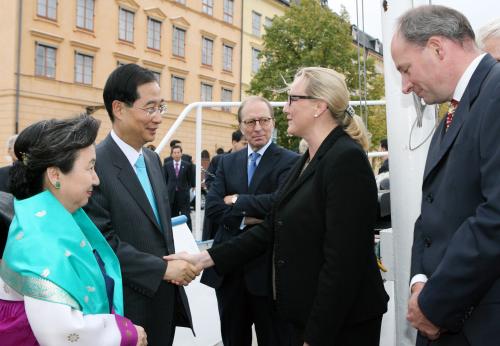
{"type": "Point", "coordinates": [11, 141]}
{"type": "Point", "coordinates": [490, 30]}
{"type": "Point", "coordinates": [254, 98]}
{"type": "Point", "coordinates": [421, 23]}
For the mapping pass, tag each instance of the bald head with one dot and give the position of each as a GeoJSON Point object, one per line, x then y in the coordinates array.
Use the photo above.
{"type": "Point", "coordinates": [488, 38]}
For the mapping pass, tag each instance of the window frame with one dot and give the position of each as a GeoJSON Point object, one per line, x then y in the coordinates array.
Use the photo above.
{"type": "Point", "coordinates": [44, 73]}
{"type": "Point", "coordinates": [256, 23]}
{"type": "Point", "coordinates": [85, 58]}
{"type": "Point", "coordinates": [176, 46]}
{"type": "Point", "coordinates": [85, 19]}
{"type": "Point", "coordinates": [228, 16]}
{"type": "Point", "coordinates": [156, 31]}
{"type": "Point", "coordinates": [46, 9]}
{"type": "Point", "coordinates": [174, 88]}
{"type": "Point", "coordinates": [207, 60]}
{"type": "Point", "coordinates": [225, 48]}
{"type": "Point", "coordinates": [206, 86]}
{"type": "Point", "coordinates": [223, 91]}
{"type": "Point", "coordinates": [255, 58]}
{"type": "Point", "coordinates": [207, 7]}
{"type": "Point", "coordinates": [127, 12]}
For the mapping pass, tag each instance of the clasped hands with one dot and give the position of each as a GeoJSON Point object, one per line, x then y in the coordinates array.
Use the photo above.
{"type": "Point", "coordinates": [195, 262]}
{"type": "Point", "coordinates": [180, 271]}
{"type": "Point", "coordinates": [417, 319]}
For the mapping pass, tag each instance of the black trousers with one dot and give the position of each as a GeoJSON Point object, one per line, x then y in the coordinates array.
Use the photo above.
{"type": "Point", "coordinates": [180, 206]}
{"type": "Point", "coordinates": [239, 309]}
{"type": "Point", "coordinates": [366, 333]}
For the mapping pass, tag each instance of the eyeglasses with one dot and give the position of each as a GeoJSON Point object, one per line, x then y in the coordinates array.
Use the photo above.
{"type": "Point", "coordinates": [151, 111]}
{"type": "Point", "coordinates": [292, 98]}
{"type": "Point", "coordinates": [263, 122]}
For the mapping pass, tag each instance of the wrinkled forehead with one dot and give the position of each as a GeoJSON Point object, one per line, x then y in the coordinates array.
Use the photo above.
{"type": "Point", "coordinates": [255, 109]}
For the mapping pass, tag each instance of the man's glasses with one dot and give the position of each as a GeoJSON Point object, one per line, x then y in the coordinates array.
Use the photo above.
{"type": "Point", "coordinates": [292, 98]}
{"type": "Point", "coordinates": [263, 122]}
{"type": "Point", "coordinates": [151, 111]}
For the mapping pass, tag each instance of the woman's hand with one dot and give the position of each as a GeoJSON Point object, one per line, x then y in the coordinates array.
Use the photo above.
{"type": "Point", "coordinates": [142, 339]}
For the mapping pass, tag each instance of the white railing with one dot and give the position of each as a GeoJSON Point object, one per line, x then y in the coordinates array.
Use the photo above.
{"type": "Point", "coordinates": [198, 106]}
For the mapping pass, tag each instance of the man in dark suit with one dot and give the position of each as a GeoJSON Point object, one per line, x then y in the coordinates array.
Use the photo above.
{"type": "Point", "coordinates": [238, 142]}
{"type": "Point", "coordinates": [455, 267]}
{"type": "Point", "coordinates": [242, 195]}
{"type": "Point", "coordinates": [180, 180]}
{"type": "Point", "coordinates": [184, 157]}
{"type": "Point", "coordinates": [131, 206]}
{"type": "Point", "coordinates": [4, 171]}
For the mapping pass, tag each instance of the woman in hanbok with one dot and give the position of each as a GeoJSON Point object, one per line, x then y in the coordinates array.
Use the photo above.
{"type": "Point", "coordinates": [60, 281]}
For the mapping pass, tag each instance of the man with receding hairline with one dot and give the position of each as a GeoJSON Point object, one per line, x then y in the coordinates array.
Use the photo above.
{"type": "Point", "coordinates": [455, 265]}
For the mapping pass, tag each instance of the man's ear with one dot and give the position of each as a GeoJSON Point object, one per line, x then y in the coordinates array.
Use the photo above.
{"type": "Point", "coordinates": [118, 109]}
{"type": "Point", "coordinates": [435, 44]}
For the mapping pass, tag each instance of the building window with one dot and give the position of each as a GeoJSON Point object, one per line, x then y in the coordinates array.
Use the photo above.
{"type": "Point", "coordinates": [177, 89]}
{"type": "Point", "coordinates": [227, 58]}
{"type": "Point", "coordinates": [268, 22]}
{"type": "Point", "coordinates": [126, 25]}
{"type": "Point", "coordinates": [206, 92]}
{"type": "Point", "coordinates": [45, 61]}
{"type": "Point", "coordinates": [179, 39]}
{"type": "Point", "coordinates": [207, 51]}
{"type": "Point", "coordinates": [47, 9]}
{"type": "Point", "coordinates": [207, 7]}
{"type": "Point", "coordinates": [85, 14]}
{"type": "Point", "coordinates": [83, 68]}
{"type": "Point", "coordinates": [256, 23]}
{"type": "Point", "coordinates": [181, 1]}
{"type": "Point", "coordinates": [154, 33]}
{"type": "Point", "coordinates": [255, 60]}
{"type": "Point", "coordinates": [228, 10]}
{"type": "Point", "coordinates": [226, 96]}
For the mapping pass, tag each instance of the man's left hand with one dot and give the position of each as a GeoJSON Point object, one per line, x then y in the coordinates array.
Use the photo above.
{"type": "Point", "coordinates": [417, 318]}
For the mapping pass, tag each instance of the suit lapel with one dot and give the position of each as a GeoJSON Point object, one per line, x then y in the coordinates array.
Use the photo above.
{"type": "Point", "coordinates": [128, 178]}
{"type": "Point", "coordinates": [240, 170]}
{"type": "Point", "coordinates": [443, 140]}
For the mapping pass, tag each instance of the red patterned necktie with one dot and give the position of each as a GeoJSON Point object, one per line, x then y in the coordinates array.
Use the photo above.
{"type": "Point", "coordinates": [451, 111]}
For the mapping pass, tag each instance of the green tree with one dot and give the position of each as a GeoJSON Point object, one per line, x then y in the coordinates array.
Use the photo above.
{"type": "Point", "coordinates": [307, 35]}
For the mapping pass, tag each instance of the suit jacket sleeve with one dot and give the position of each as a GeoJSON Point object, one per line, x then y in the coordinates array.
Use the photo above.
{"type": "Point", "coordinates": [472, 260]}
{"type": "Point", "coordinates": [132, 261]}
{"type": "Point", "coordinates": [259, 205]}
{"type": "Point", "coordinates": [350, 201]}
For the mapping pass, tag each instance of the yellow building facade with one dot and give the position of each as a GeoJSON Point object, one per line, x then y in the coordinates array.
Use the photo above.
{"type": "Point", "coordinates": [257, 15]}
{"type": "Point", "coordinates": [65, 50]}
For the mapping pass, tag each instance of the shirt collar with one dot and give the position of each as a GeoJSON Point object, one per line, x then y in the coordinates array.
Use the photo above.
{"type": "Point", "coordinates": [262, 150]}
{"type": "Point", "coordinates": [130, 153]}
{"type": "Point", "coordinates": [466, 76]}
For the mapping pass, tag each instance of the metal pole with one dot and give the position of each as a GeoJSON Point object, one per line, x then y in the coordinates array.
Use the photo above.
{"type": "Point", "coordinates": [406, 171]}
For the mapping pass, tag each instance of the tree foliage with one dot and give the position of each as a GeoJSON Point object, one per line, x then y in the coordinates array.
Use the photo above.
{"type": "Point", "coordinates": [308, 35]}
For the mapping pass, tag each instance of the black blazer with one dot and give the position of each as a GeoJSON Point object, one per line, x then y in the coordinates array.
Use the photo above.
{"type": "Point", "coordinates": [457, 236]}
{"type": "Point", "coordinates": [5, 178]}
{"type": "Point", "coordinates": [120, 209]}
{"type": "Point", "coordinates": [255, 200]}
{"type": "Point", "coordinates": [321, 231]}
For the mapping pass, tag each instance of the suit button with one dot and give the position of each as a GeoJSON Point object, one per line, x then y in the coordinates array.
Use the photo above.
{"type": "Point", "coordinates": [279, 223]}
{"type": "Point", "coordinates": [427, 242]}
{"type": "Point", "coordinates": [280, 263]}
{"type": "Point", "coordinates": [429, 198]}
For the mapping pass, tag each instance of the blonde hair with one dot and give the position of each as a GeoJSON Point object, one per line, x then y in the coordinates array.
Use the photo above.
{"type": "Point", "coordinates": [329, 85]}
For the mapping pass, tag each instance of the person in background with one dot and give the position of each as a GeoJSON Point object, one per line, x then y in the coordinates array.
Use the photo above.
{"type": "Point", "coordinates": [4, 171]}
{"type": "Point", "coordinates": [180, 180]}
{"type": "Point", "coordinates": [61, 281]}
{"type": "Point", "coordinates": [240, 196]}
{"type": "Point", "coordinates": [324, 274]}
{"type": "Point", "coordinates": [184, 157]}
{"type": "Point", "coordinates": [131, 207]}
{"type": "Point", "coordinates": [488, 38]}
{"type": "Point", "coordinates": [455, 261]}
{"type": "Point", "coordinates": [385, 165]}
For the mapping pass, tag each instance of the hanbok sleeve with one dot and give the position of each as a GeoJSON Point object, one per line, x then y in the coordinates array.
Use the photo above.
{"type": "Point", "coordinates": [57, 324]}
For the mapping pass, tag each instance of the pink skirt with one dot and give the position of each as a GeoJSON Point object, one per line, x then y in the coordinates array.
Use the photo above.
{"type": "Point", "coordinates": [14, 325]}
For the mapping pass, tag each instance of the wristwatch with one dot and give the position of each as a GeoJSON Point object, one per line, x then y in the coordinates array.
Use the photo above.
{"type": "Point", "coordinates": [234, 199]}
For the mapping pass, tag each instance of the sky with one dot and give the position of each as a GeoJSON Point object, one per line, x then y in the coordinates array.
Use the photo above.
{"type": "Point", "coordinates": [479, 12]}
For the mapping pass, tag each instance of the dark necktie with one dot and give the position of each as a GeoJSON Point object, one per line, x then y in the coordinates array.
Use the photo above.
{"type": "Point", "coordinates": [176, 169]}
{"type": "Point", "coordinates": [451, 111]}
{"type": "Point", "coordinates": [252, 166]}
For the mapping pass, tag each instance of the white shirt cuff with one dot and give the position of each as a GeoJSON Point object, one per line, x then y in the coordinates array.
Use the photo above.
{"type": "Point", "coordinates": [418, 278]}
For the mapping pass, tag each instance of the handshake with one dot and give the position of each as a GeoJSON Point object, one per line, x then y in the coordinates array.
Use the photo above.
{"type": "Point", "coordinates": [182, 267]}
